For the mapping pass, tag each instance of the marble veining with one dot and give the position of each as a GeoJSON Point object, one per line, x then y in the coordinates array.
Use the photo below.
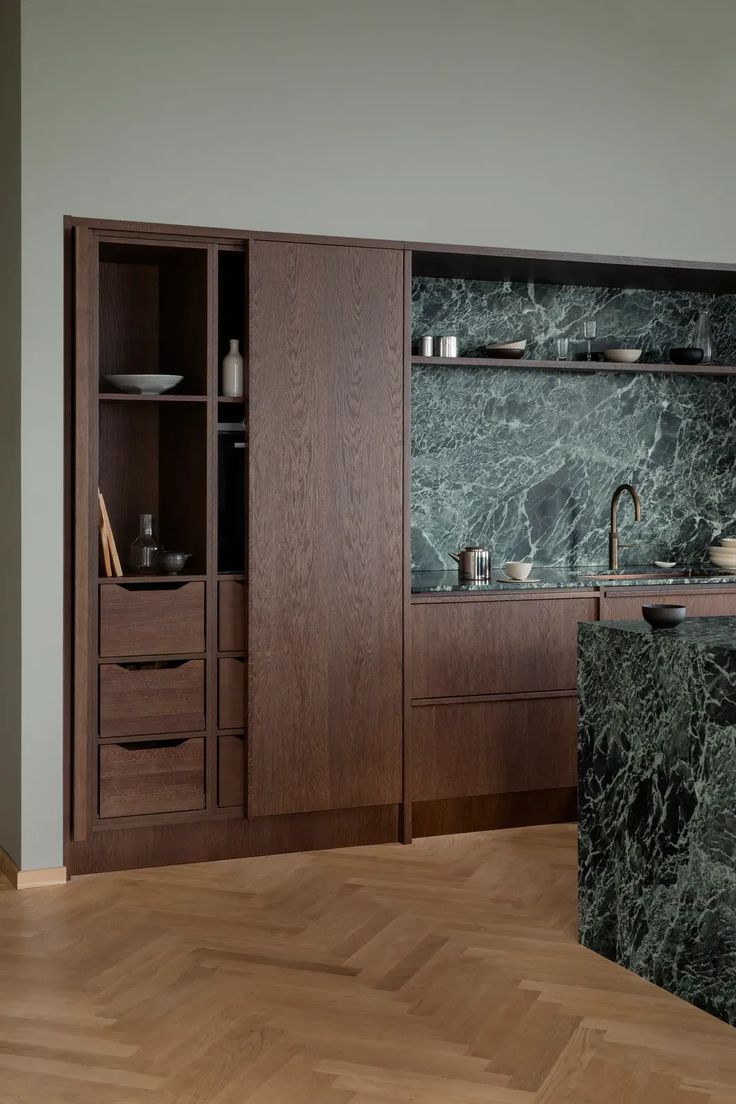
{"type": "Point", "coordinates": [551, 578]}
{"type": "Point", "coordinates": [525, 461]}
{"type": "Point", "coordinates": [482, 312]}
{"type": "Point", "coordinates": [657, 804]}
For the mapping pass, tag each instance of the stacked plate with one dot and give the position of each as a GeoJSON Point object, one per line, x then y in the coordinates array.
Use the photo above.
{"type": "Point", "coordinates": [723, 555]}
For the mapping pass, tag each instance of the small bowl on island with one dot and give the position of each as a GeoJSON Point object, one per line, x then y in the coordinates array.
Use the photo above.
{"type": "Point", "coordinates": [664, 616]}
{"type": "Point", "coordinates": [688, 355]}
{"type": "Point", "coordinates": [622, 356]}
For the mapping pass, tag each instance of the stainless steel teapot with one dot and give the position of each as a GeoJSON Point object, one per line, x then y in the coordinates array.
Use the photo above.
{"type": "Point", "coordinates": [474, 562]}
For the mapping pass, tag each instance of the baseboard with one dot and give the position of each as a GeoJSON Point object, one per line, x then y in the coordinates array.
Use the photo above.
{"type": "Point", "coordinates": [31, 879]}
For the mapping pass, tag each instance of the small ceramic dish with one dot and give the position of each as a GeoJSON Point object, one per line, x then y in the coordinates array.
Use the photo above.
{"type": "Point", "coordinates": [508, 350]}
{"type": "Point", "coordinates": [728, 542]}
{"type": "Point", "coordinates": [171, 563]}
{"type": "Point", "coordinates": [686, 355]}
{"type": "Point", "coordinates": [622, 356]}
{"type": "Point", "coordinates": [664, 616]}
{"type": "Point", "coordinates": [144, 384]}
{"type": "Point", "coordinates": [664, 563]}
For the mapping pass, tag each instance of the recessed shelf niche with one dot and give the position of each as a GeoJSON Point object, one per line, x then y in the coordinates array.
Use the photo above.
{"type": "Point", "coordinates": [153, 314]}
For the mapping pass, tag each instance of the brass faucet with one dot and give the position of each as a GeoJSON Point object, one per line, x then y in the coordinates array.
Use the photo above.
{"type": "Point", "coordinates": [613, 535]}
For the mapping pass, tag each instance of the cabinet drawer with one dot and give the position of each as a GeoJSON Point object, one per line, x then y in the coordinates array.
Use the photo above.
{"type": "Point", "coordinates": [148, 700]}
{"type": "Point", "coordinates": [152, 777]}
{"type": "Point", "coordinates": [151, 621]}
{"type": "Point", "coordinates": [231, 616]}
{"type": "Point", "coordinates": [504, 647]}
{"type": "Point", "coordinates": [700, 603]}
{"type": "Point", "coordinates": [231, 693]}
{"type": "Point", "coordinates": [493, 747]}
{"type": "Point", "coordinates": [230, 771]}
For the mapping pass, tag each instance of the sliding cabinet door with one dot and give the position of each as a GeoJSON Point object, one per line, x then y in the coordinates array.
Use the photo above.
{"type": "Point", "coordinates": [325, 527]}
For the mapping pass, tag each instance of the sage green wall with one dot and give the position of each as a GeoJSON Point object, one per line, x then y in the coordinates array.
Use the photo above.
{"type": "Point", "coordinates": [550, 124]}
{"type": "Point", "coordinates": [10, 366]}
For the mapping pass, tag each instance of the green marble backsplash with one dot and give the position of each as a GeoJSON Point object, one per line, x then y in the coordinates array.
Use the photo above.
{"type": "Point", "coordinates": [525, 461]}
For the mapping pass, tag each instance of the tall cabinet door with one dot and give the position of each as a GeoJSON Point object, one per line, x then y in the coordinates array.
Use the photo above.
{"type": "Point", "coordinates": [325, 527]}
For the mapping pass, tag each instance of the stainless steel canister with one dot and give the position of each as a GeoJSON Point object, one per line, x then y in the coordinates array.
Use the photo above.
{"type": "Point", "coordinates": [426, 345]}
{"type": "Point", "coordinates": [447, 346]}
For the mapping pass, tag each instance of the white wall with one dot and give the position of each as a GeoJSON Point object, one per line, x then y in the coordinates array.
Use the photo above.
{"type": "Point", "coordinates": [551, 124]}
{"type": "Point", "coordinates": [10, 368]}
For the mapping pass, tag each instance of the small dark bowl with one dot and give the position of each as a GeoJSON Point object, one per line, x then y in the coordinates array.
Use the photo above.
{"type": "Point", "coordinates": [690, 355]}
{"type": "Point", "coordinates": [664, 616]}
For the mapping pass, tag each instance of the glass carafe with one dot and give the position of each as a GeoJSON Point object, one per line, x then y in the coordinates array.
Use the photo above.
{"type": "Point", "coordinates": [703, 336]}
{"type": "Point", "coordinates": [145, 548]}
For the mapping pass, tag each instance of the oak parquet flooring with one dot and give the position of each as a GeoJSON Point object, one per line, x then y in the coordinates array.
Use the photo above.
{"type": "Point", "coordinates": [447, 972]}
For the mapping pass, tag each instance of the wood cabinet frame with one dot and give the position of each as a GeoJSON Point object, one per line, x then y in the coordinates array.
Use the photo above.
{"type": "Point", "coordinates": [223, 832]}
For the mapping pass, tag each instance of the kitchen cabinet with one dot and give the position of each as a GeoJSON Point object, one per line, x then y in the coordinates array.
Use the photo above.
{"type": "Point", "coordinates": [625, 604]}
{"type": "Point", "coordinates": [325, 560]}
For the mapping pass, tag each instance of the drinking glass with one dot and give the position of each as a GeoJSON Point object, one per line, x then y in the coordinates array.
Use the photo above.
{"type": "Point", "coordinates": [563, 348]}
{"type": "Point", "coordinates": [590, 328]}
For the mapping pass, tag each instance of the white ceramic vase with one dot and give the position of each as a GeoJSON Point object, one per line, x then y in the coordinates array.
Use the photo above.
{"type": "Point", "coordinates": [232, 372]}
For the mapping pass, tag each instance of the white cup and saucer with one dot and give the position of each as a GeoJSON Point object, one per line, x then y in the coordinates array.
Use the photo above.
{"type": "Point", "coordinates": [517, 571]}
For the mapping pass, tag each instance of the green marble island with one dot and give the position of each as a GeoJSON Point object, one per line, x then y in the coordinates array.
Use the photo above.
{"type": "Point", "coordinates": [657, 804]}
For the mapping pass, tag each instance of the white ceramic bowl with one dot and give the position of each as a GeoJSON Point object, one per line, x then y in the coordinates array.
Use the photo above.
{"type": "Point", "coordinates": [144, 385]}
{"type": "Point", "coordinates": [509, 345]}
{"type": "Point", "coordinates": [723, 559]}
{"type": "Point", "coordinates": [728, 542]}
{"type": "Point", "coordinates": [622, 356]}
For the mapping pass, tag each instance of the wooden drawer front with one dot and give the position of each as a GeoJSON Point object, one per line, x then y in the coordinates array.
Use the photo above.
{"type": "Point", "coordinates": [151, 778]}
{"type": "Point", "coordinates": [505, 647]}
{"type": "Point", "coordinates": [231, 696]}
{"type": "Point", "coordinates": [627, 607]}
{"type": "Point", "coordinates": [230, 771]}
{"type": "Point", "coordinates": [493, 747]}
{"type": "Point", "coordinates": [162, 621]}
{"type": "Point", "coordinates": [231, 616]}
{"type": "Point", "coordinates": [149, 701]}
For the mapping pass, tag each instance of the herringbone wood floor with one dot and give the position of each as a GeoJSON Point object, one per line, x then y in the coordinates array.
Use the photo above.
{"type": "Point", "coordinates": [442, 973]}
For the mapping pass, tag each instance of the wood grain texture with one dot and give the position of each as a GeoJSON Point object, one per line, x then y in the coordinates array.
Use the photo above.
{"type": "Point", "coordinates": [494, 747]}
{"type": "Point", "coordinates": [451, 815]}
{"type": "Point", "coordinates": [137, 779]}
{"type": "Point", "coordinates": [231, 693]}
{"type": "Point", "coordinates": [626, 606]}
{"type": "Point", "coordinates": [444, 973]}
{"type": "Point", "coordinates": [152, 700]}
{"type": "Point", "coordinates": [231, 616]}
{"type": "Point", "coordinates": [461, 648]}
{"type": "Point", "coordinates": [231, 772]}
{"type": "Point", "coordinates": [140, 621]}
{"type": "Point", "coordinates": [325, 532]}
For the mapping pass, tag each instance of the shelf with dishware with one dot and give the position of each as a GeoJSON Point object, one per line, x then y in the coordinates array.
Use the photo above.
{"type": "Point", "coordinates": [575, 365]}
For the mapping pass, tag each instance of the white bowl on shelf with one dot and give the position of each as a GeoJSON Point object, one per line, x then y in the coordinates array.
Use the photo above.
{"type": "Point", "coordinates": [510, 350]}
{"type": "Point", "coordinates": [728, 542]}
{"type": "Point", "coordinates": [723, 558]}
{"type": "Point", "coordinates": [143, 384]}
{"type": "Point", "coordinates": [622, 356]}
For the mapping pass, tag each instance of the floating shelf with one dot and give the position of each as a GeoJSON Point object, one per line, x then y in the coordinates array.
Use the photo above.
{"type": "Point", "coordinates": [578, 365]}
{"type": "Point", "coordinates": [124, 396]}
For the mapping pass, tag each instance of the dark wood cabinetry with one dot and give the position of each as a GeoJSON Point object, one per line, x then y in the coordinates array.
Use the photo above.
{"type": "Point", "coordinates": [287, 692]}
{"type": "Point", "coordinates": [325, 572]}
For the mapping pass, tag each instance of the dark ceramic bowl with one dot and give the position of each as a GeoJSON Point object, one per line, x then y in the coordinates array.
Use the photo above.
{"type": "Point", "coordinates": [664, 616]}
{"type": "Point", "coordinates": [690, 355]}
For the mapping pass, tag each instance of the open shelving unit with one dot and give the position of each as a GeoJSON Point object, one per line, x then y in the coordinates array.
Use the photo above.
{"type": "Point", "coordinates": [575, 365]}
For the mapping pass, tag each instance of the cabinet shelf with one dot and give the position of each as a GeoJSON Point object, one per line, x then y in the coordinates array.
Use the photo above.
{"type": "Point", "coordinates": [577, 365]}
{"type": "Point", "coordinates": [124, 396]}
{"type": "Point", "coordinates": [142, 580]}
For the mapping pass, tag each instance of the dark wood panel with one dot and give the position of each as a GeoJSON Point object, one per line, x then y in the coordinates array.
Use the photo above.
{"type": "Point", "coordinates": [138, 779]}
{"type": "Point", "coordinates": [151, 700]}
{"type": "Point", "coordinates": [491, 811]}
{"type": "Point", "coordinates": [231, 771]}
{"type": "Point", "coordinates": [129, 449]}
{"type": "Point", "coordinates": [129, 315]}
{"type": "Point", "coordinates": [461, 648]}
{"type": "Point", "coordinates": [160, 621]}
{"type": "Point", "coordinates": [231, 693]}
{"type": "Point", "coordinates": [699, 602]}
{"type": "Point", "coordinates": [226, 838]}
{"type": "Point", "coordinates": [496, 747]}
{"type": "Point", "coordinates": [231, 616]}
{"type": "Point", "coordinates": [325, 636]}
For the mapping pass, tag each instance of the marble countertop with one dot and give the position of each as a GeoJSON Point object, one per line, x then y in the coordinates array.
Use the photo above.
{"type": "Point", "coordinates": [552, 578]}
{"type": "Point", "coordinates": [708, 632]}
